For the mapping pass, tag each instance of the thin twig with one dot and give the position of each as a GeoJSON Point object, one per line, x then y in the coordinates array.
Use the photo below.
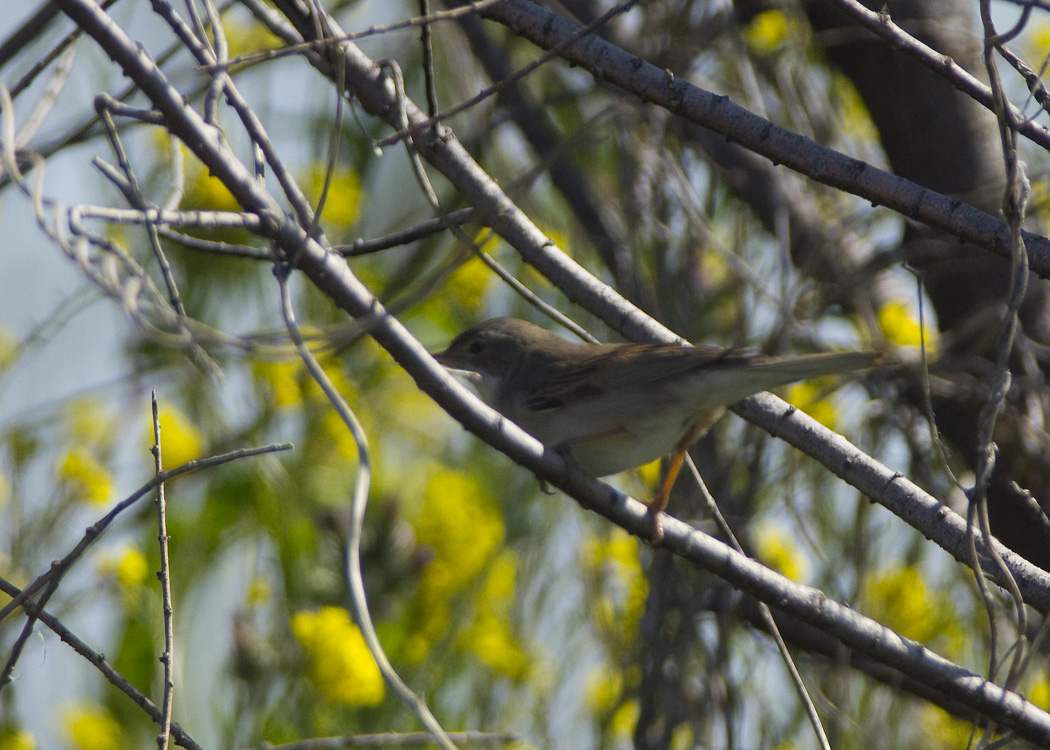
{"type": "Point", "coordinates": [27, 630]}
{"type": "Point", "coordinates": [924, 366]}
{"type": "Point", "coordinates": [428, 190]}
{"type": "Point", "coordinates": [336, 130]}
{"type": "Point", "coordinates": [99, 661]}
{"type": "Point", "coordinates": [428, 63]}
{"type": "Point", "coordinates": [764, 611]}
{"type": "Point", "coordinates": [403, 237]}
{"type": "Point", "coordinates": [220, 51]}
{"type": "Point", "coordinates": [882, 25]}
{"type": "Point", "coordinates": [252, 124]}
{"type": "Point", "coordinates": [137, 200]}
{"type": "Point", "coordinates": [1032, 79]}
{"type": "Point", "coordinates": [316, 44]}
{"type": "Point", "coordinates": [47, 101]}
{"type": "Point", "coordinates": [388, 739]}
{"type": "Point", "coordinates": [59, 567]}
{"type": "Point", "coordinates": [358, 503]}
{"type": "Point", "coordinates": [521, 73]}
{"type": "Point", "coordinates": [1014, 202]}
{"type": "Point", "coordinates": [167, 658]}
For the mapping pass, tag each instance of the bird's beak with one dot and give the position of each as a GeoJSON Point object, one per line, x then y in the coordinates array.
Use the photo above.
{"type": "Point", "coordinates": [473, 380]}
{"type": "Point", "coordinates": [445, 359]}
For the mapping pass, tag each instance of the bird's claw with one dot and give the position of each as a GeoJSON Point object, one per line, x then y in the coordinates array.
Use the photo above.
{"type": "Point", "coordinates": [656, 526]}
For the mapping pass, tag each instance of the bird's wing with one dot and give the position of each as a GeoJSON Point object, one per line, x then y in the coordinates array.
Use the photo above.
{"type": "Point", "coordinates": [608, 370]}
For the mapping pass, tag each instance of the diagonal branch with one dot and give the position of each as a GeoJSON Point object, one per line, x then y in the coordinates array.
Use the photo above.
{"type": "Point", "coordinates": [330, 274]}
{"type": "Point", "coordinates": [616, 66]}
{"type": "Point", "coordinates": [882, 25]}
{"type": "Point", "coordinates": [916, 507]}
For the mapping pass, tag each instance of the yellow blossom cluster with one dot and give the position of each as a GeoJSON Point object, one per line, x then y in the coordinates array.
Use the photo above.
{"type": "Point", "coordinates": [613, 560]}
{"type": "Point", "coordinates": [900, 598]}
{"type": "Point", "coordinates": [777, 549]}
{"type": "Point", "coordinates": [341, 667]}
{"type": "Point", "coordinates": [85, 477]}
{"type": "Point", "coordinates": [464, 530]}
{"type": "Point", "coordinates": [902, 328]}
{"type": "Point", "coordinates": [92, 727]}
{"type": "Point", "coordinates": [128, 569]}
{"type": "Point", "coordinates": [489, 637]}
{"type": "Point", "coordinates": [181, 441]}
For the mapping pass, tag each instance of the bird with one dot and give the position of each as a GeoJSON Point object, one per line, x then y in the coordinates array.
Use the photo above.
{"type": "Point", "coordinates": [612, 407]}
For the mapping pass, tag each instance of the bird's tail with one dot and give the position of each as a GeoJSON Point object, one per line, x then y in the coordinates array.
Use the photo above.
{"type": "Point", "coordinates": [788, 369]}
{"type": "Point", "coordinates": [736, 380]}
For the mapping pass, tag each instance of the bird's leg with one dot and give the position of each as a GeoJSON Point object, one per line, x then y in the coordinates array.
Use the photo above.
{"type": "Point", "coordinates": [659, 503]}
{"type": "Point", "coordinates": [563, 449]}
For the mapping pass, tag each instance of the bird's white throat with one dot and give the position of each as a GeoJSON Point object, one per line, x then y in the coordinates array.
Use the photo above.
{"type": "Point", "coordinates": [485, 386]}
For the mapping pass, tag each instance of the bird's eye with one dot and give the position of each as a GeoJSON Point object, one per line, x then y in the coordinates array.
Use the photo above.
{"type": "Point", "coordinates": [477, 346]}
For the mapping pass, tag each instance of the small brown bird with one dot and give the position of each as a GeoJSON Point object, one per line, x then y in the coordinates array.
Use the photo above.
{"type": "Point", "coordinates": [613, 407]}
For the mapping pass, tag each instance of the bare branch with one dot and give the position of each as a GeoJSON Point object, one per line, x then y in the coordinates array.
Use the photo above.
{"type": "Point", "coordinates": [98, 661]}
{"type": "Point", "coordinates": [167, 658]}
{"type": "Point", "coordinates": [60, 567]}
{"type": "Point", "coordinates": [616, 66]}
{"type": "Point", "coordinates": [882, 25]}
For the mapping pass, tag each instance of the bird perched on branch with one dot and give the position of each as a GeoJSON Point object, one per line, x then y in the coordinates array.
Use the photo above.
{"type": "Point", "coordinates": [613, 407]}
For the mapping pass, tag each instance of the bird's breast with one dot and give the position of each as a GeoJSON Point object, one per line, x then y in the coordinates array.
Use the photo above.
{"type": "Point", "coordinates": [604, 438]}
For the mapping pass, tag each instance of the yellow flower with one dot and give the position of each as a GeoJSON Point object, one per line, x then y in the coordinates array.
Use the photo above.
{"type": "Point", "coordinates": [899, 327]}
{"type": "Point", "coordinates": [682, 737]}
{"type": "Point", "coordinates": [942, 730]}
{"type": "Point", "coordinates": [203, 190]}
{"type": "Point", "coordinates": [260, 591]}
{"type": "Point", "coordinates": [650, 473]}
{"type": "Point", "coordinates": [775, 549]}
{"type": "Point", "coordinates": [809, 396]}
{"type": "Point", "coordinates": [1038, 204]}
{"type": "Point", "coordinates": [90, 422]}
{"type": "Point", "coordinates": [338, 435]}
{"type": "Point", "coordinates": [1040, 692]}
{"type": "Point", "coordinates": [501, 580]}
{"type": "Point", "coordinates": [5, 490]}
{"type": "Point", "coordinates": [854, 117]}
{"type": "Point", "coordinates": [625, 718]}
{"type": "Point", "coordinates": [604, 687]}
{"type": "Point", "coordinates": [90, 727]}
{"type": "Point", "coordinates": [622, 548]}
{"type": "Point", "coordinates": [245, 38]}
{"type": "Point", "coordinates": [614, 562]}
{"type": "Point", "coordinates": [132, 568]}
{"type": "Point", "coordinates": [490, 639]}
{"type": "Point", "coordinates": [900, 598]}
{"type": "Point", "coordinates": [1037, 38]}
{"type": "Point", "coordinates": [281, 380]}
{"type": "Point", "coordinates": [767, 31]}
{"type": "Point", "coordinates": [86, 478]}
{"type": "Point", "coordinates": [559, 238]}
{"type": "Point", "coordinates": [17, 739]}
{"type": "Point", "coordinates": [468, 283]}
{"type": "Point", "coordinates": [345, 199]}
{"type": "Point", "coordinates": [8, 348]}
{"type": "Point", "coordinates": [341, 667]}
{"type": "Point", "coordinates": [460, 524]}
{"type": "Point", "coordinates": [180, 440]}
{"type": "Point", "coordinates": [128, 568]}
